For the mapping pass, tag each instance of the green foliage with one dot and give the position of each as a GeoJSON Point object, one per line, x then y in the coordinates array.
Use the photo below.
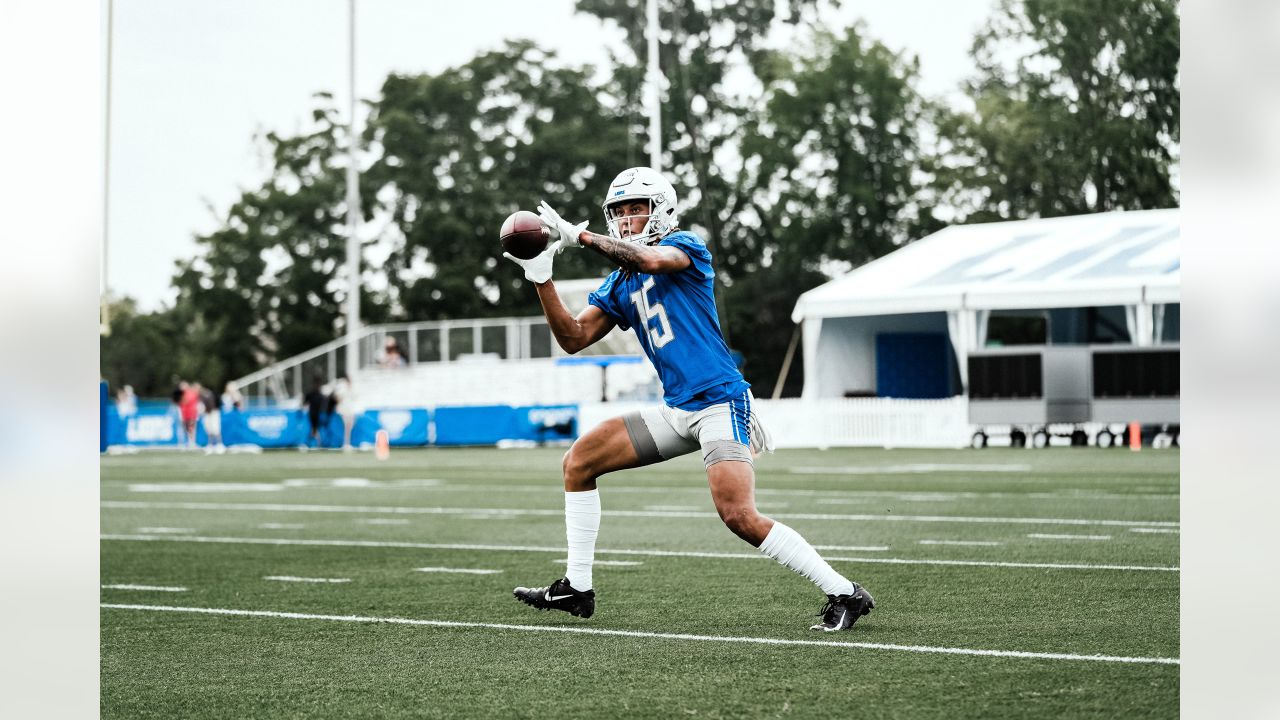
{"type": "Point", "coordinates": [266, 283]}
{"type": "Point", "coordinates": [461, 150]}
{"type": "Point", "coordinates": [1084, 120]}
{"type": "Point", "coordinates": [150, 351]}
{"type": "Point", "coordinates": [832, 172]}
{"type": "Point", "coordinates": [834, 161]}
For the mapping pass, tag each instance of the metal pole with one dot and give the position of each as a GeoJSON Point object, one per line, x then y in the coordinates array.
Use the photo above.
{"type": "Point", "coordinates": [104, 319]}
{"type": "Point", "coordinates": [655, 103]}
{"type": "Point", "coordinates": [353, 205]}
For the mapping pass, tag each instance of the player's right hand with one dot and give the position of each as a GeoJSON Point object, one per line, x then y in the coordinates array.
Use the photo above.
{"type": "Point", "coordinates": [568, 231]}
{"type": "Point", "coordinates": [538, 269]}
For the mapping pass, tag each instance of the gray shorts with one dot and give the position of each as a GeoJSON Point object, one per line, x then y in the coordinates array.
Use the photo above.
{"type": "Point", "coordinates": [728, 431]}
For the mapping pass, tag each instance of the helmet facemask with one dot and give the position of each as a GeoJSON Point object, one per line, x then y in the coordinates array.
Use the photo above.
{"type": "Point", "coordinates": [615, 220]}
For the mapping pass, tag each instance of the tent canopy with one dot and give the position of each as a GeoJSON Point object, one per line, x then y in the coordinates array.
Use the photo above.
{"type": "Point", "coordinates": [1116, 258]}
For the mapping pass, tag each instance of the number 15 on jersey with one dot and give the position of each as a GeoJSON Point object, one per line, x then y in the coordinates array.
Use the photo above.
{"type": "Point", "coordinates": [662, 334]}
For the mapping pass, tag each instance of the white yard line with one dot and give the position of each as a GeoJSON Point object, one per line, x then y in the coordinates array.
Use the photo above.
{"type": "Point", "coordinates": [981, 543]}
{"type": "Point", "coordinates": [151, 588]}
{"type": "Point", "coordinates": [606, 551]}
{"type": "Point", "coordinates": [1173, 531]}
{"type": "Point", "coordinates": [281, 526]}
{"type": "Point", "coordinates": [199, 487]}
{"type": "Point", "coordinates": [292, 578]}
{"type": "Point", "coordinates": [383, 521]}
{"type": "Point", "coordinates": [1048, 536]}
{"type": "Point", "coordinates": [513, 512]}
{"type": "Point", "coordinates": [166, 530]}
{"type": "Point", "coordinates": [1022, 654]}
{"type": "Point", "coordinates": [616, 563]}
{"type": "Point", "coordinates": [459, 486]}
{"type": "Point", "coordinates": [462, 571]}
{"type": "Point", "coordinates": [913, 469]}
{"type": "Point", "coordinates": [853, 548]}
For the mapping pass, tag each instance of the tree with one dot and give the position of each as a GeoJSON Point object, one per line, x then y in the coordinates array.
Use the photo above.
{"type": "Point", "coordinates": [459, 151]}
{"type": "Point", "coordinates": [833, 171]}
{"type": "Point", "coordinates": [267, 283]}
{"type": "Point", "coordinates": [150, 350]}
{"type": "Point", "coordinates": [1084, 119]}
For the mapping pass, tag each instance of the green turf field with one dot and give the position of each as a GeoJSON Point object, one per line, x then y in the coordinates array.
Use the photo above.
{"type": "Point", "coordinates": [1050, 556]}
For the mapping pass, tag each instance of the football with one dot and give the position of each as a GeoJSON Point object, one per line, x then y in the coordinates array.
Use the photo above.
{"type": "Point", "coordinates": [524, 235]}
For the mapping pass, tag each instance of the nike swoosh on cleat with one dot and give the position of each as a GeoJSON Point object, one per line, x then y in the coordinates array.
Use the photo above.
{"type": "Point", "coordinates": [843, 615]}
{"type": "Point", "coordinates": [557, 597]}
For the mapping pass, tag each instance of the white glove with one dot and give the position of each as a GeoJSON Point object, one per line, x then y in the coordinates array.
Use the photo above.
{"type": "Point", "coordinates": [538, 269]}
{"type": "Point", "coordinates": [568, 231]}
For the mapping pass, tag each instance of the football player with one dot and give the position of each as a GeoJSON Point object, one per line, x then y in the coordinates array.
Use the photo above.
{"type": "Point", "coordinates": [663, 291]}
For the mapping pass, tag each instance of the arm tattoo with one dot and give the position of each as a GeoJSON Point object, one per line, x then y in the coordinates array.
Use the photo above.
{"type": "Point", "coordinates": [628, 255]}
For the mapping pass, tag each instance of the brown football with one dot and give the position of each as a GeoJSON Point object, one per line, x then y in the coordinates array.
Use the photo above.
{"type": "Point", "coordinates": [524, 235]}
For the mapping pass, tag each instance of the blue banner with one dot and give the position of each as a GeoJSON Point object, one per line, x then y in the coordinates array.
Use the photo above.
{"type": "Point", "coordinates": [404, 426]}
{"type": "Point", "coordinates": [158, 425]}
{"type": "Point", "coordinates": [265, 428]}
{"type": "Point", "coordinates": [489, 424]}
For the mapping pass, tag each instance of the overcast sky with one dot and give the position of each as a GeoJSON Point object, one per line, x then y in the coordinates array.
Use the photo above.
{"type": "Point", "coordinates": [193, 81]}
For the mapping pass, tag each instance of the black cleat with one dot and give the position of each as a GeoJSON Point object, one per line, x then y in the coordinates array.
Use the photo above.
{"type": "Point", "coordinates": [560, 595]}
{"type": "Point", "coordinates": [842, 611]}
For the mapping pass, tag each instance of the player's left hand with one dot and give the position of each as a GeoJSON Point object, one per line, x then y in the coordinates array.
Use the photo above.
{"type": "Point", "coordinates": [568, 231]}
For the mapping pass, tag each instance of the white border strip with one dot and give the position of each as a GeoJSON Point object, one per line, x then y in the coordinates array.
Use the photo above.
{"type": "Point", "coordinates": [283, 507]}
{"type": "Point", "coordinates": [600, 551]}
{"type": "Point", "coordinates": [658, 636]}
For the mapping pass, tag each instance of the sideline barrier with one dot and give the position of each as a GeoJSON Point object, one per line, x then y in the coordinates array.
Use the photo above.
{"type": "Point", "coordinates": [157, 425]}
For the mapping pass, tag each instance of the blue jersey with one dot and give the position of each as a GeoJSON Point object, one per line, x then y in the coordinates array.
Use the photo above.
{"type": "Point", "coordinates": [674, 315]}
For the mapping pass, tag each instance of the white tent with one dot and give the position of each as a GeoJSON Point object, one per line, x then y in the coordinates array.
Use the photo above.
{"type": "Point", "coordinates": [951, 281]}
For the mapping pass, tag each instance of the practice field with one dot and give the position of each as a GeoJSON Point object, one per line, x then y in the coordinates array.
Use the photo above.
{"type": "Point", "coordinates": [1009, 583]}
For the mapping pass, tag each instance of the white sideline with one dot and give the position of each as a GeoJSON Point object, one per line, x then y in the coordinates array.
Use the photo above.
{"type": "Point", "coordinates": [443, 485]}
{"type": "Point", "coordinates": [292, 578]}
{"type": "Point", "coordinates": [153, 588]}
{"type": "Point", "coordinates": [653, 635]}
{"type": "Point", "coordinates": [393, 509]}
{"type": "Point", "coordinates": [605, 551]}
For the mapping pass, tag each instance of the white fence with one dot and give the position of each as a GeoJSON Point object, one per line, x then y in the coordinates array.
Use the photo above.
{"type": "Point", "coordinates": [858, 422]}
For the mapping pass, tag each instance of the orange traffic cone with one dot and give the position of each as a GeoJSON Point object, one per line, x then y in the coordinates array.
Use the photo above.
{"type": "Point", "coordinates": [382, 445]}
{"type": "Point", "coordinates": [1135, 436]}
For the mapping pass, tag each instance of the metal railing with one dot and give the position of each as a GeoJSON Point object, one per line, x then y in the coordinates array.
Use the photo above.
{"type": "Point", "coordinates": [437, 341]}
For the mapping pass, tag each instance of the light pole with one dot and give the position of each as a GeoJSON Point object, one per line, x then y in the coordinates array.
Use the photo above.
{"type": "Point", "coordinates": [353, 206]}
{"type": "Point", "coordinates": [655, 102]}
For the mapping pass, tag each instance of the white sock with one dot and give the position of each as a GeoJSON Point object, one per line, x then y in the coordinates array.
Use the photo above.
{"type": "Point", "coordinates": [581, 524]}
{"type": "Point", "coordinates": [787, 547]}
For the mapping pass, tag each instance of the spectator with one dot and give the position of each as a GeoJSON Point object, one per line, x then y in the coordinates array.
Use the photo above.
{"type": "Point", "coordinates": [393, 356]}
{"type": "Point", "coordinates": [316, 401]}
{"type": "Point", "coordinates": [212, 420]}
{"type": "Point", "coordinates": [189, 411]}
{"type": "Point", "coordinates": [231, 398]}
{"type": "Point", "coordinates": [344, 401]}
{"type": "Point", "coordinates": [179, 391]}
{"type": "Point", "coordinates": [126, 402]}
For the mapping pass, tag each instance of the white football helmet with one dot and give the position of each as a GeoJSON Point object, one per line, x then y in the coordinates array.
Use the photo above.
{"type": "Point", "coordinates": [642, 183]}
